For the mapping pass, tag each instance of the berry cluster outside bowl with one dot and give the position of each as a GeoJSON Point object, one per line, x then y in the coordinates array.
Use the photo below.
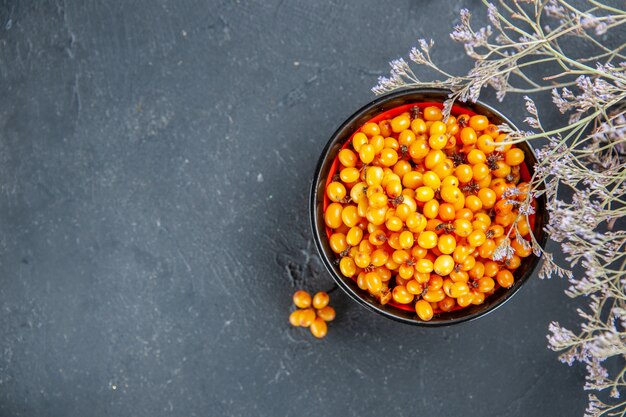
{"type": "Point", "coordinates": [387, 107]}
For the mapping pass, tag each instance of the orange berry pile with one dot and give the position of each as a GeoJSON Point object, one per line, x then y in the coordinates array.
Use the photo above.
{"type": "Point", "coordinates": [418, 206]}
{"type": "Point", "coordinates": [312, 312]}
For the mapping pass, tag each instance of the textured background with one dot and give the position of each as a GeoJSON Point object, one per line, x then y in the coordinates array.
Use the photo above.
{"type": "Point", "coordinates": [155, 161]}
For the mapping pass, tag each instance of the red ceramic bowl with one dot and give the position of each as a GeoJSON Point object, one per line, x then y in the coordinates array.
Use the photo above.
{"type": "Point", "coordinates": [386, 107]}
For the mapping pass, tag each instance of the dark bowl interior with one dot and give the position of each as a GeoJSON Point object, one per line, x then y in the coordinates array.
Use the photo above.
{"type": "Point", "coordinates": [325, 165]}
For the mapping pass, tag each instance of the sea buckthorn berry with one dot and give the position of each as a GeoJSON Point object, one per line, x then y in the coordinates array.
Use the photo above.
{"type": "Point", "coordinates": [385, 127]}
{"type": "Point", "coordinates": [468, 136]}
{"type": "Point", "coordinates": [358, 140]}
{"type": "Point", "coordinates": [371, 129]}
{"type": "Point", "coordinates": [410, 202]}
{"type": "Point", "coordinates": [374, 176]}
{"type": "Point", "coordinates": [374, 283]}
{"type": "Point", "coordinates": [349, 175]}
{"type": "Point", "coordinates": [430, 179]}
{"type": "Point", "coordinates": [446, 244]}
{"type": "Point", "coordinates": [378, 142]}
{"type": "Point", "coordinates": [476, 156]}
{"type": "Point", "coordinates": [347, 158]}
{"type": "Point", "coordinates": [394, 223]}
{"type": "Point", "coordinates": [302, 299]}
{"type": "Point", "coordinates": [484, 143]}
{"type": "Point", "coordinates": [347, 266]}
{"type": "Point", "coordinates": [414, 287]}
{"type": "Point", "coordinates": [486, 284]}
{"type": "Point", "coordinates": [400, 123]}
{"type": "Point", "coordinates": [406, 138]}
{"type": "Point", "coordinates": [447, 304]}
{"type": "Point", "coordinates": [450, 194]}
{"type": "Point", "coordinates": [336, 191]}
{"type": "Point", "coordinates": [434, 158]}
{"type": "Point", "coordinates": [392, 143]}
{"type": "Point", "coordinates": [366, 247]}
{"type": "Point", "coordinates": [438, 128]}
{"type": "Point", "coordinates": [400, 256]}
{"type": "Point", "coordinates": [480, 171]}
{"type": "Point", "coordinates": [406, 239]}
{"type": "Point", "coordinates": [465, 300]}
{"type": "Point", "coordinates": [377, 238]}
{"type": "Point", "coordinates": [459, 289]}
{"type": "Point", "coordinates": [401, 295]}
{"type": "Point", "coordinates": [505, 278]}
{"type": "Point", "coordinates": [307, 317]}
{"type": "Point", "coordinates": [393, 188]}
{"type": "Point", "coordinates": [462, 227]}
{"type": "Point", "coordinates": [471, 202]}
{"type": "Point", "coordinates": [486, 249]}
{"type": "Point", "coordinates": [326, 313]}
{"type": "Point", "coordinates": [362, 260]}
{"type": "Point", "coordinates": [419, 149]}
{"type": "Point", "coordinates": [424, 310]}
{"type": "Point", "coordinates": [431, 209]}
{"type": "Point", "coordinates": [402, 167]}
{"type": "Point", "coordinates": [437, 141]}
{"type": "Point", "coordinates": [388, 157]}
{"type": "Point", "coordinates": [412, 179]}
{"type": "Point", "coordinates": [476, 238]}
{"type": "Point", "coordinates": [478, 122]}
{"type": "Point", "coordinates": [450, 181]}
{"type": "Point", "coordinates": [418, 126]}
{"type": "Point", "coordinates": [319, 329]}
{"type": "Point", "coordinates": [484, 183]}
{"type": "Point", "coordinates": [477, 271]}
{"type": "Point", "coordinates": [521, 250]}
{"type": "Point", "coordinates": [383, 272]}
{"type": "Point", "coordinates": [502, 169]}
{"type": "Point", "coordinates": [432, 113]}
{"type": "Point", "coordinates": [405, 272]}
{"type": "Point", "coordinates": [338, 242]}
{"type": "Point", "coordinates": [379, 257]}
{"type": "Point", "coordinates": [513, 263]}
{"type": "Point", "coordinates": [320, 300]}
{"type": "Point", "coordinates": [294, 318]}
{"type": "Point", "coordinates": [424, 194]}
{"type": "Point", "coordinates": [491, 269]}
{"type": "Point", "coordinates": [367, 153]}
{"type": "Point", "coordinates": [332, 215]}
{"type": "Point", "coordinates": [444, 169]}
{"type": "Point", "coordinates": [434, 296]}
{"type": "Point", "coordinates": [435, 282]}
{"type": "Point", "coordinates": [424, 266]}
{"type": "Point", "coordinates": [514, 157]}
{"type": "Point", "coordinates": [477, 297]}
{"type": "Point", "coordinates": [447, 212]}
{"type": "Point", "coordinates": [502, 143]}
{"type": "Point", "coordinates": [464, 173]}
{"type": "Point", "coordinates": [522, 226]}
{"type": "Point", "coordinates": [377, 200]}
{"type": "Point", "coordinates": [350, 215]}
{"type": "Point", "coordinates": [358, 191]}
{"type": "Point", "coordinates": [416, 222]}
{"type": "Point", "coordinates": [460, 276]}
{"type": "Point", "coordinates": [465, 214]}
{"type": "Point", "coordinates": [443, 265]}
{"type": "Point", "coordinates": [487, 197]}
{"type": "Point", "coordinates": [427, 239]}
{"type": "Point", "coordinates": [503, 207]}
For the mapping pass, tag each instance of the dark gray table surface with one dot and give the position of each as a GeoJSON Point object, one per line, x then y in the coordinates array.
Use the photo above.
{"type": "Point", "coordinates": [155, 161]}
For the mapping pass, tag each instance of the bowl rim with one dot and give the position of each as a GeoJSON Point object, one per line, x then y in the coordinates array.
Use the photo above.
{"type": "Point", "coordinates": [313, 198]}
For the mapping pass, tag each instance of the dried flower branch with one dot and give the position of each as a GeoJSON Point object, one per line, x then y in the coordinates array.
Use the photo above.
{"type": "Point", "coordinates": [582, 166]}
